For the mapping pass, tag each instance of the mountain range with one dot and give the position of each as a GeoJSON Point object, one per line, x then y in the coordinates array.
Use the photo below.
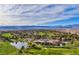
{"type": "Point", "coordinates": [74, 26]}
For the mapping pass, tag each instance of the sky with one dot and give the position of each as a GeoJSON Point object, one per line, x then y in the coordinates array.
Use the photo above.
{"type": "Point", "coordinates": [38, 14]}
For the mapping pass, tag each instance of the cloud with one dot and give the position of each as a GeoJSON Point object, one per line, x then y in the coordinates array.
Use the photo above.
{"type": "Point", "coordinates": [36, 14]}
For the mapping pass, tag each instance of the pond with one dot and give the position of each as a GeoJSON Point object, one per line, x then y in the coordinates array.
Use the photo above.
{"type": "Point", "coordinates": [19, 44]}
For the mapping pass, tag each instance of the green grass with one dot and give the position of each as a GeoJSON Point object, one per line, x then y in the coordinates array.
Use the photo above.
{"type": "Point", "coordinates": [7, 35]}
{"type": "Point", "coordinates": [54, 51]}
{"type": "Point", "coordinates": [7, 49]}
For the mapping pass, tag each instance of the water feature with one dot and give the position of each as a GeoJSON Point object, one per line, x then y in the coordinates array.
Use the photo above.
{"type": "Point", "coordinates": [19, 44]}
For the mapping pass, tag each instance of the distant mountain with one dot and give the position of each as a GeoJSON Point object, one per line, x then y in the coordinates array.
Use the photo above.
{"type": "Point", "coordinates": [74, 26]}
{"type": "Point", "coordinates": [24, 27]}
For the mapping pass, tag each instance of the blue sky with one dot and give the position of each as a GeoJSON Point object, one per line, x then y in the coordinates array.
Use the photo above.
{"type": "Point", "coordinates": [39, 14]}
{"type": "Point", "coordinates": [74, 20]}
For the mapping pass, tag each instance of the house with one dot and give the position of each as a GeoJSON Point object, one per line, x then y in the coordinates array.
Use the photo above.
{"type": "Point", "coordinates": [53, 42]}
{"type": "Point", "coordinates": [29, 39]}
{"type": "Point", "coordinates": [65, 41]}
{"type": "Point", "coordinates": [39, 41]}
{"type": "Point", "coordinates": [48, 42]}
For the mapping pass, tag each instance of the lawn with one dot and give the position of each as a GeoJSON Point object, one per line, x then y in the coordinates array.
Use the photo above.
{"type": "Point", "coordinates": [7, 35]}
{"type": "Point", "coordinates": [7, 49]}
{"type": "Point", "coordinates": [54, 51]}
